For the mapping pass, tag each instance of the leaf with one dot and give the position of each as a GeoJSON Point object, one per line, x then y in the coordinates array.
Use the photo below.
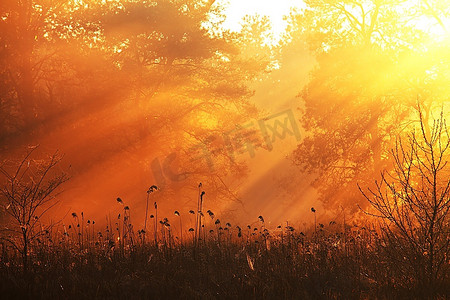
{"type": "Point", "coordinates": [250, 263]}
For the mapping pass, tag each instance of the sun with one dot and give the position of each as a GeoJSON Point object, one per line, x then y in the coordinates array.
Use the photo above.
{"type": "Point", "coordinates": [436, 29]}
{"type": "Point", "coordinates": [433, 19]}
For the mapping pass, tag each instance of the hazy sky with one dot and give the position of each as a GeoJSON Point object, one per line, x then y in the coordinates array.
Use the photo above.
{"type": "Point", "coordinates": [274, 9]}
{"type": "Point", "coordinates": [277, 9]}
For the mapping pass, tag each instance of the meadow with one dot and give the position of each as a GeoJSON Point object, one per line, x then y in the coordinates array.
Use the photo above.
{"type": "Point", "coordinates": [219, 260]}
{"type": "Point", "coordinates": [275, 106]}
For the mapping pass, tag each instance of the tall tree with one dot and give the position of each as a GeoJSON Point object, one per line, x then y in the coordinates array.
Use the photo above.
{"type": "Point", "coordinates": [138, 80]}
{"type": "Point", "coordinates": [370, 73]}
{"type": "Point", "coordinates": [412, 204]}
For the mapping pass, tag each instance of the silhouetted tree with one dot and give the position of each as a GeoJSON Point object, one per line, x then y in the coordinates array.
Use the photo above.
{"type": "Point", "coordinates": [27, 193]}
{"type": "Point", "coordinates": [413, 203]}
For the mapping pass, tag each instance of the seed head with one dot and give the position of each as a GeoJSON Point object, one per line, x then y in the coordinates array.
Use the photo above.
{"type": "Point", "coordinates": [152, 189]}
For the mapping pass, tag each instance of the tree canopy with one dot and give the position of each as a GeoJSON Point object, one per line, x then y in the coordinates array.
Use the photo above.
{"type": "Point", "coordinates": [373, 67]}
{"type": "Point", "coordinates": [139, 79]}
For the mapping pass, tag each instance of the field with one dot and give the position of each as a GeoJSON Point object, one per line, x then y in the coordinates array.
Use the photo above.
{"type": "Point", "coordinates": [225, 261]}
{"type": "Point", "coordinates": [316, 131]}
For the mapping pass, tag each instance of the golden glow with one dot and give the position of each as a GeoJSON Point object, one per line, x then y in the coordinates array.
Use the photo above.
{"type": "Point", "coordinates": [275, 10]}
{"type": "Point", "coordinates": [157, 105]}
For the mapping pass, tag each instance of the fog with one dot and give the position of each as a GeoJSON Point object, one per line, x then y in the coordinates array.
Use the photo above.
{"type": "Point", "coordinates": [134, 94]}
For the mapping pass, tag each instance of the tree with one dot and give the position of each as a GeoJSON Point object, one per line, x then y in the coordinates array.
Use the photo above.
{"type": "Point", "coordinates": [413, 203]}
{"type": "Point", "coordinates": [140, 80]}
{"type": "Point", "coordinates": [188, 86]}
{"type": "Point", "coordinates": [369, 71]}
{"type": "Point", "coordinates": [27, 193]}
{"type": "Point", "coordinates": [27, 57]}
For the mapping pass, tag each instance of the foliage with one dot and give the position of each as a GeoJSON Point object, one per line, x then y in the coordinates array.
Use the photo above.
{"type": "Point", "coordinates": [140, 79]}
{"type": "Point", "coordinates": [370, 73]}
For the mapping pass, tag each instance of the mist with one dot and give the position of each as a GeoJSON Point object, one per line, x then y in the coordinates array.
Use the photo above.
{"type": "Point", "coordinates": [134, 95]}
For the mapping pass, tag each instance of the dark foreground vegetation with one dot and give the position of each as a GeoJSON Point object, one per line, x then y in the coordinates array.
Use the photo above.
{"type": "Point", "coordinates": [232, 263]}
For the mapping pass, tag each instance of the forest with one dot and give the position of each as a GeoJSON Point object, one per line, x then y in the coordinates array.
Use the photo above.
{"type": "Point", "coordinates": [224, 149]}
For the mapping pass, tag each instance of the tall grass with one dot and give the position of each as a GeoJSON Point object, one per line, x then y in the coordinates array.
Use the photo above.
{"type": "Point", "coordinates": [331, 260]}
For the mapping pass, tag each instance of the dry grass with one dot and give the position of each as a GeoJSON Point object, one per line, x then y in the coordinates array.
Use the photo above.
{"type": "Point", "coordinates": [220, 260]}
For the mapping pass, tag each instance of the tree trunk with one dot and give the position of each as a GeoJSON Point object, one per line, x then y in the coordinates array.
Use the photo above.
{"type": "Point", "coordinates": [25, 253]}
